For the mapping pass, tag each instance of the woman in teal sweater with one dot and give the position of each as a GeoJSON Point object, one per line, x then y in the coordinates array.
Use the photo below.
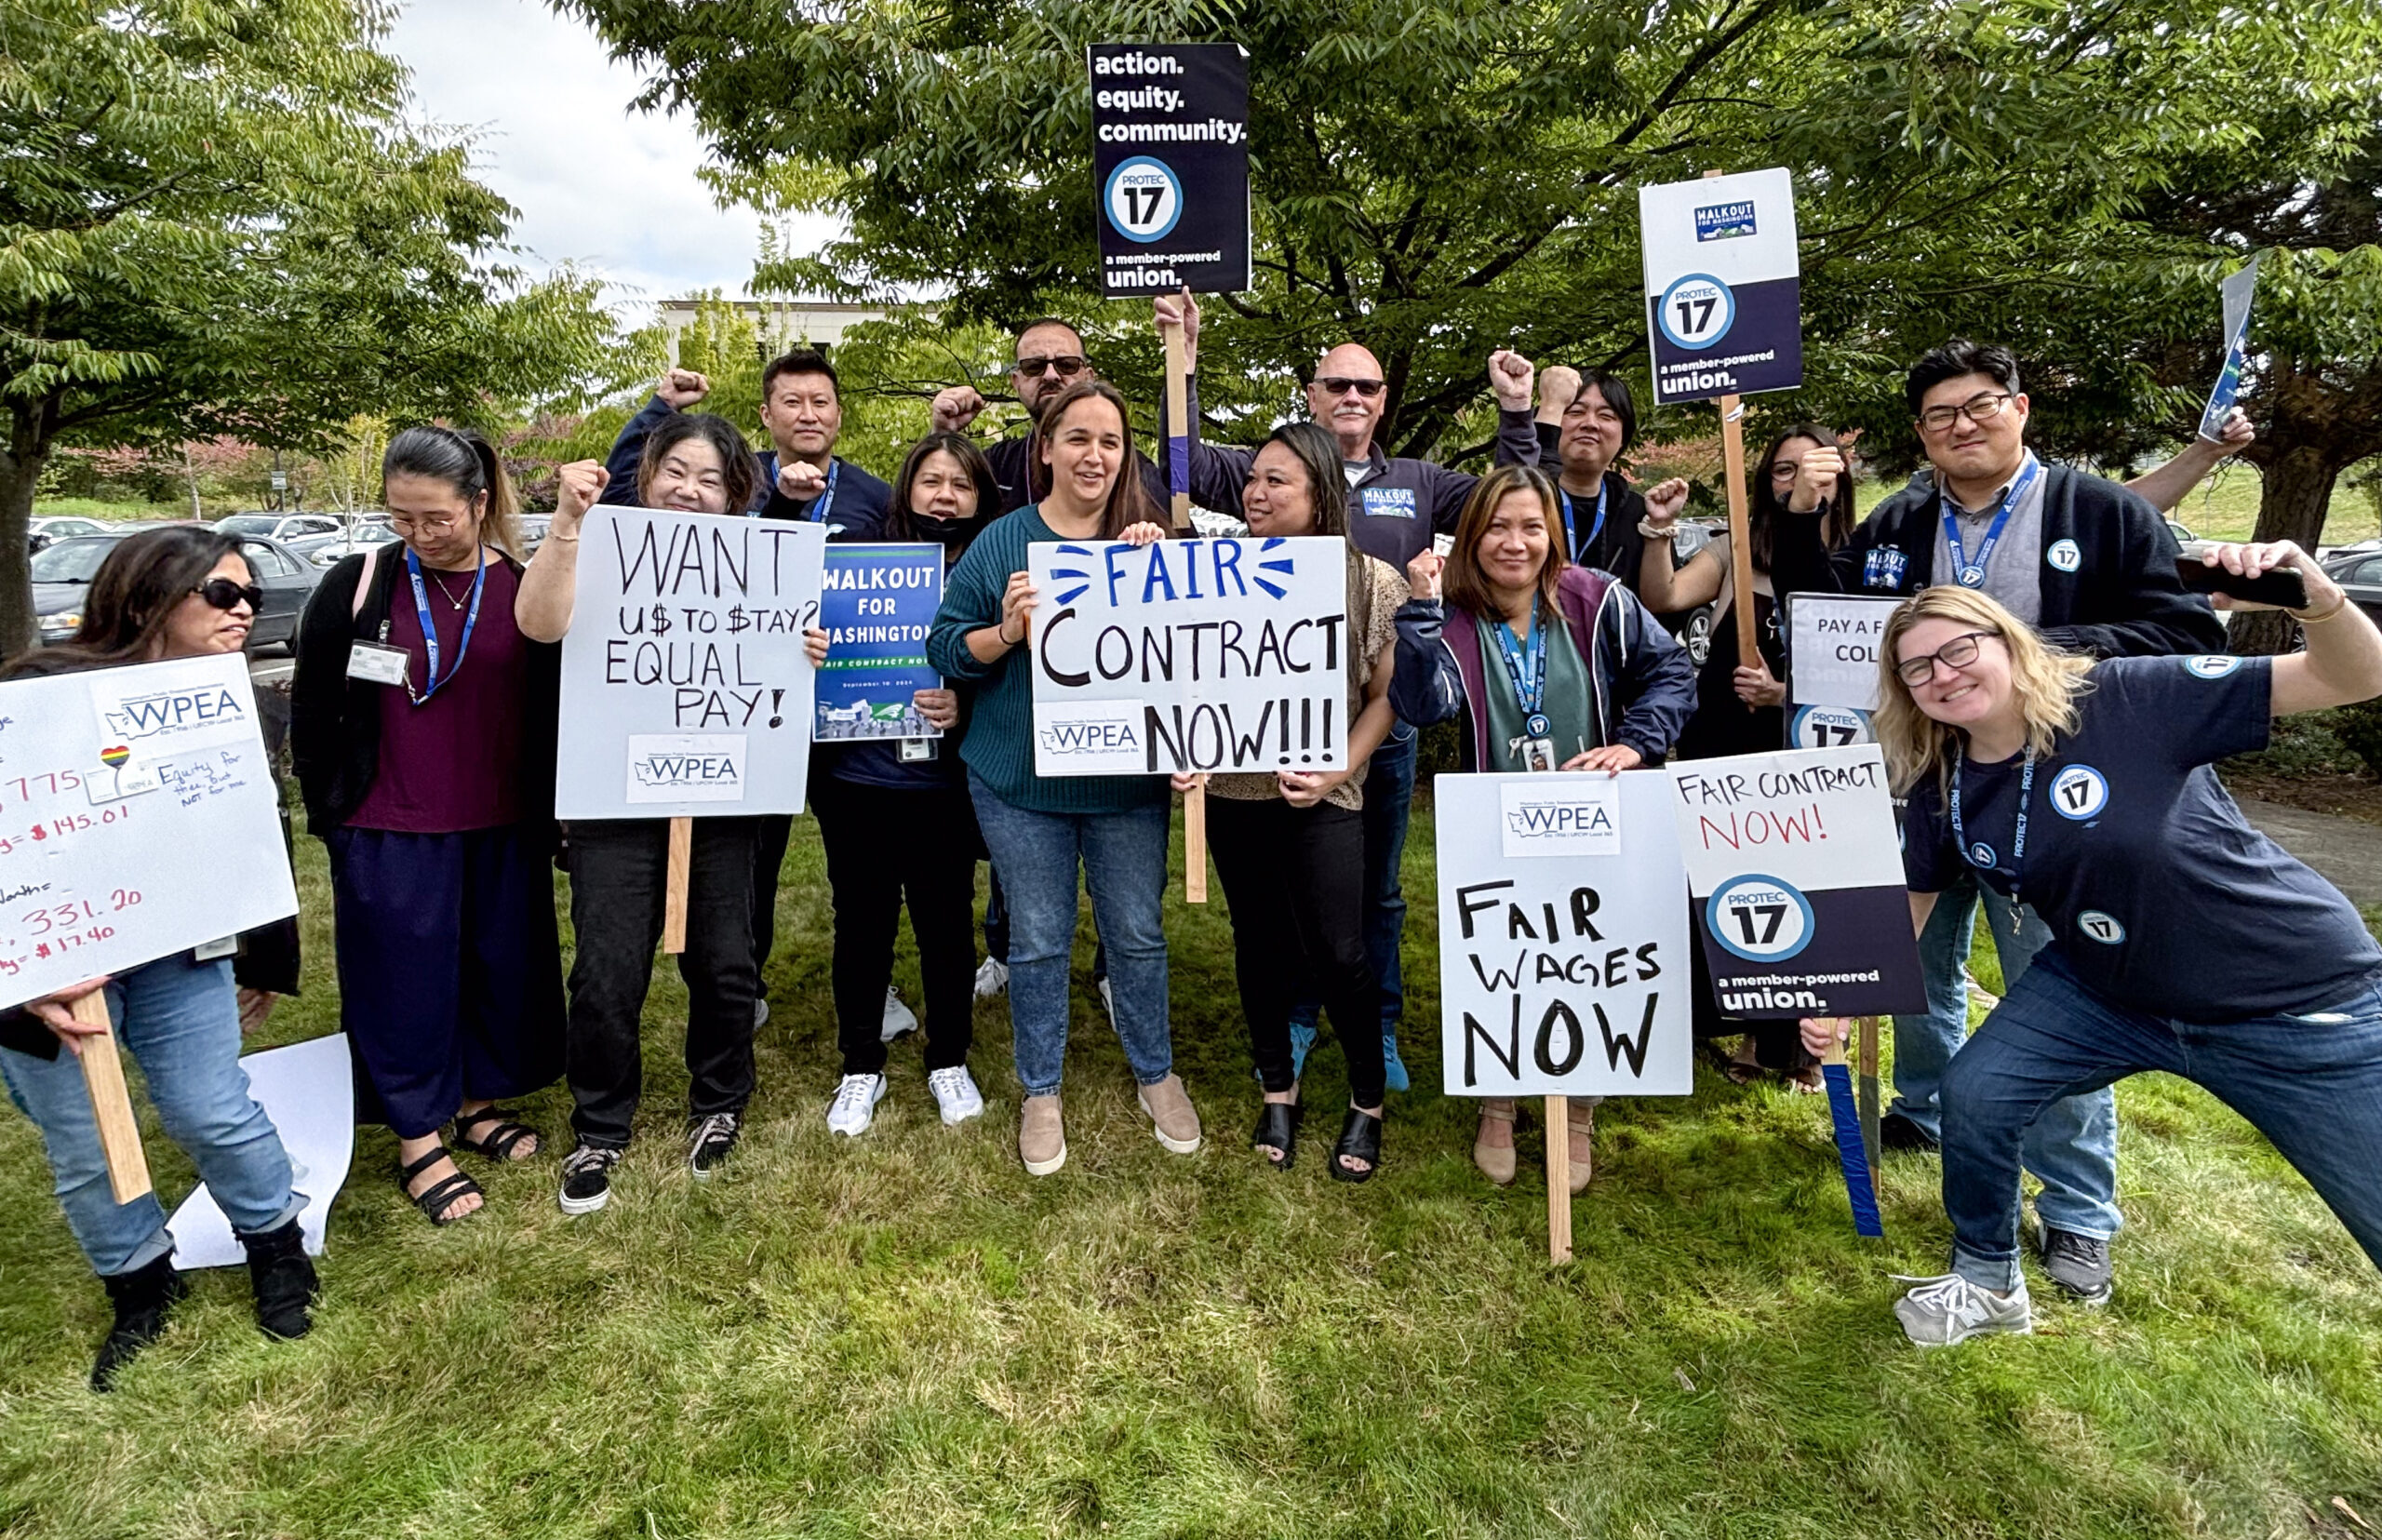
{"type": "Point", "coordinates": [1040, 830]}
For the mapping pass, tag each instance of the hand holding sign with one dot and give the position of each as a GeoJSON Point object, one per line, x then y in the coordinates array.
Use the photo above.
{"type": "Point", "coordinates": [1510, 376]}
{"type": "Point", "coordinates": [57, 1012]}
{"type": "Point", "coordinates": [1179, 310]}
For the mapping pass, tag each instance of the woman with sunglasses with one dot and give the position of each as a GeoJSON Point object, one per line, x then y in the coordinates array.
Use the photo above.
{"type": "Point", "coordinates": [175, 592]}
{"type": "Point", "coordinates": [2183, 939]}
{"type": "Point", "coordinates": [693, 462]}
{"type": "Point", "coordinates": [1547, 666]}
{"type": "Point", "coordinates": [424, 727]}
{"type": "Point", "coordinates": [1042, 830]}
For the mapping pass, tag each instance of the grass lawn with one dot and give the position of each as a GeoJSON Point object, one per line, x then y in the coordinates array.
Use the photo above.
{"type": "Point", "coordinates": [906, 1335]}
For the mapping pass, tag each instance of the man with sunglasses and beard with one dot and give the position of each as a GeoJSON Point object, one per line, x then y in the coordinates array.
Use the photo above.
{"type": "Point", "coordinates": [1050, 359]}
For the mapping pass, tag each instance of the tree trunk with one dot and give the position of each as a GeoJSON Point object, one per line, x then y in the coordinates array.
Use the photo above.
{"type": "Point", "coordinates": [190, 473]}
{"type": "Point", "coordinates": [20, 466]}
{"type": "Point", "coordinates": [2295, 495]}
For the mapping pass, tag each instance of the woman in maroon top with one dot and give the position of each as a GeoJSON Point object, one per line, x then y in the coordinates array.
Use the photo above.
{"type": "Point", "coordinates": [424, 730]}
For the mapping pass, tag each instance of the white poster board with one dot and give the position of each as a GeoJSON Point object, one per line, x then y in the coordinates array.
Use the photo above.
{"type": "Point", "coordinates": [309, 1092]}
{"type": "Point", "coordinates": [1189, 655]}
{"type": "Point", "coordinates": [1563, 962]}
{"type": "Point", "coordinates": [1796, 868]}
{"type": "Point", "coordinates": [1723, 285]}
{"type": "Point", "coordinates": [684, 687]}
{"type": "Point", "coordinates": [1832, 641]}
{"type": "Point", "coordinates": [138, 818]}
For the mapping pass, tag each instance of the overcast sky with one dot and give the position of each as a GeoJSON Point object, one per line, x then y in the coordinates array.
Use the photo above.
{"type": "Point", "coordinates": [596, 181]}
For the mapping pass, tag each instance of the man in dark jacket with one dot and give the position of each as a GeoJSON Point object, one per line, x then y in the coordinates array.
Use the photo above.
{"type": "Point", "coordinates": [2092, 567]}
{"type": "Point", "coordinates": [1050, 359]}
{"type": "Point", "coordinates": [802, 412]}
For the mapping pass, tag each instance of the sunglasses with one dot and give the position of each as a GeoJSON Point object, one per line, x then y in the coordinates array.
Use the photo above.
{"type": "Point", "coordinates": [1066, 366]}
{"type": "Point", "coordinates": [223, 593]}
{"type": "Point", "coordinates": [1340, 384]}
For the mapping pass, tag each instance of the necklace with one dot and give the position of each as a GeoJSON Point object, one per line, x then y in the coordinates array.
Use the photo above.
{"type": "Point", "coordinates": [448, 594]}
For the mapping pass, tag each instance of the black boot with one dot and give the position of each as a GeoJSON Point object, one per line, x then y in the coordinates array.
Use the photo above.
{"type": "Point", "coordinates": [283, 1280]}
{"type": "Point", "coordinates": [141, 1298]}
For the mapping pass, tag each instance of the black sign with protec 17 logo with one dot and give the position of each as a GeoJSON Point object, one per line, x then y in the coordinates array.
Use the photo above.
{"type": "Point", "coordinates": [1170, 163]}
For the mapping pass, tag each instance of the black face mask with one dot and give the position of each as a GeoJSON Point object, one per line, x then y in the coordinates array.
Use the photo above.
{"type": "Point", "coordinates": [952, 533]}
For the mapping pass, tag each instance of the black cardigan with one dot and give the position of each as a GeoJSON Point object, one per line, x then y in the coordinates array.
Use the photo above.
{"type": "Point", "coordinates": [335, 721]}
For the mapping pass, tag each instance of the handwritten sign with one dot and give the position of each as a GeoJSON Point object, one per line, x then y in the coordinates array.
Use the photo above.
{"type": "Point", "coordinates": [1563, 963]}
{"type": "Point", "coordinates": [1797, 875]}
{"type": "Point", "coordinates": [876, 603]}
{"type": "Point", "coordinates": [138, 818]}
{"type": "Point", "coordinates": [1190, 655]}
{"type": "Point", "coordinates": [685, 687]}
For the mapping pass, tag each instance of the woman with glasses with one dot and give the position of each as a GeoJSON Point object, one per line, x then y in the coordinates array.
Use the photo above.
{"type": "Point", "coordinates": [2183, 939]}
{"type": "Point", "coordinates": [1546, 666]}
{"type": "Point", "coordinates": [174, 593]}
{"type": "Point", "coordinates": [424, 728]}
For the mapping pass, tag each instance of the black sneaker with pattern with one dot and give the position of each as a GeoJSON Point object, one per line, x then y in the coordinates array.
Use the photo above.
{"type": "Point", "coordinates": [709, 1139]}
{"type": "Point", "coordinates": [587, 1178]}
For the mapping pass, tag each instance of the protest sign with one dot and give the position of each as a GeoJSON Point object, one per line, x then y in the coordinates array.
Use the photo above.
{"type": "Point", "coordinates": [1724, 287]}
{"type": "Point", "coordinates": [685, 687]}
{"type": "Point", "coordinates": [1832, 644]}
{"type": "Point", "coordinates": [308, 1090]}
{"type": "Point", "coordinates": [877, 604]}
{"type": "Point", "coordinates": [2237, 292]}
{"type": "Point", "coordinates": [1564, 964]}
{"type": "Point", "coordinates": [1190, 655]}
{"type": "Point", "coordinates": [1171, 167]}
{"type": "Point", "coordinates": [1796, 869]}
{"type": "Point", "coordinates": [139, 817]}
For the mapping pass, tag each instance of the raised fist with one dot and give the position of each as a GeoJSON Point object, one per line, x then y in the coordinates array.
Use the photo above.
{"type": "Point", "coordinates": [1510, 375]}
{"type": "Point", "coordinates": [956, 406]}
{"type": "Point", "coordinates": [681, 388]}
{"type": "Point", "coordinates": [579, 484]}
{"type": "Point", "coordinates": [800, 481]}
{"type": "Point", "coordinates": [1559, 386]}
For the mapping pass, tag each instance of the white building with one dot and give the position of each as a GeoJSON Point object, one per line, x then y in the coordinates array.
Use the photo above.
{"type": "Point", "coordinates": [779, 324]}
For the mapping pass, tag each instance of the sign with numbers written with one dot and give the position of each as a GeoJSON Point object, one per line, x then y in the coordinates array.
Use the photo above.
{"type": "Point", "coordinates": [1724, 286]}
{"type": "Point", "coordinates": [138, 818]}
{"type": "Point", "coordinates": [1563, 961]}
{"type": "Point", "coordinates": [685, 687]}
{"type": "Point", "coordinates": [1171, 167]}
{"type": "Point", "coordinates": [1795, 872]}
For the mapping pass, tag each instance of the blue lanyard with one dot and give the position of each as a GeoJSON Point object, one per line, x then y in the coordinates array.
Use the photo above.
{"type": "Point", "coordinates": [2018, 840]}
{"type": "Point", "coordinates": [819, 509]}
{"type": "Point", "coordinates": [1530, 659]}
{"type": "Point", "coordinates": [430, 631]}
{"type": "Point", "coordinates": [1577, 551]}
{"type": "Point", "coordinates": [1972, 574]}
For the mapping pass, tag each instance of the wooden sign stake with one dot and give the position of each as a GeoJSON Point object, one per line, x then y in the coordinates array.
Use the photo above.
{"type": "Point", "coordinates": [1558, 1179]}
{"type": "Point", "coordinates": [1178, 422]}
{"type": "Point", "coordinates": [1732, 462]}
{"type": "Point", "coordinates": [110, 1102]}
{"type": "Point", "coordinates": [674, 892]}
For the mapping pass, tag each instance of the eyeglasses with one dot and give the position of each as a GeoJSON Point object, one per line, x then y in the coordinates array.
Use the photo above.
{"type": "Point", "coordinates": [1979, 410]}
{"type": "Point", "coordinates": [1340, 384]}
{"type": "Point", "coordinates": [1785, 469]}
{"type": "Point", "coordinates": [1066, 366]}
{"type": "Point", "coordinates": [223, 593]}
{"type": "Point", "coordinates": [1959, 652]}
{"type": "Point", "coordinates": [406, 526]}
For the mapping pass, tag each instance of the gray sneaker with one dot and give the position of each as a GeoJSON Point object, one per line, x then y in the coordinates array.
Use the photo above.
{"type": "Point", "coordinates": [2078, 1263]}
{"type": "Point", "coordinates": [1944, 1310]}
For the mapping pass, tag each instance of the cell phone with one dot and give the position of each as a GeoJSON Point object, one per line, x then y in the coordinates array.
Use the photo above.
{"type": "Point", "coordinates": [2282, 586]}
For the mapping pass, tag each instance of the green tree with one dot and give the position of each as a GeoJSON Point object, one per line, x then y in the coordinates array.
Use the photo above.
{"type": "Point", "coordinates": [216, 222]}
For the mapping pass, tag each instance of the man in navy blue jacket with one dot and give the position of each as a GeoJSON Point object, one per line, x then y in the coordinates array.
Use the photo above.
{"type": "Point", "coordinates": [2092, 567]}
{"type": "Point", "coordinates": [802, 412]}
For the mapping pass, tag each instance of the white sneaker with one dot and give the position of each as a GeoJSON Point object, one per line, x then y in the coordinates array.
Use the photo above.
{"type": "Point", "coordinates": [992, 979]}
{"type": "Point", "coordinates": [1107, 1000]}
{"type": "Point", "coordinates": [760, 1013]}
{"type": "Point", "coordinates": [855, 1105]}
{"type": "Point", "coordinates": [899, 1018]}
{"type": "Point", "coordinates": [956, 1093]}
{"type": "Point", "coordinates": [1949, 1309]}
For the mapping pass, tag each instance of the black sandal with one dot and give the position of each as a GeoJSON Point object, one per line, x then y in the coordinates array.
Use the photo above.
{"type": "Point", "coordinates": [1278, 1127]}
{"type": "Point", "coordinates": [1359, 1140]}
{"type": "Point", "coordinates": [498, 1142]}
{"type": "Point", "coordinates": [434, 1201]}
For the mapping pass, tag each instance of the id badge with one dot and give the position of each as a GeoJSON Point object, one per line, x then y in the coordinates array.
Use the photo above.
{"type": "Point", "coordinates": [915, 750]}
{"type": "Point", "coordinates": [377, 664]}
{"type": "Point", "coordinates": [1537, 754]}
{"type": "Point", "coordinates": [211, 950]}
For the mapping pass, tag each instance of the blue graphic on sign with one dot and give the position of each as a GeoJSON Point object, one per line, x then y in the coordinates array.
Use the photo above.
{"type": "Point", "coordinates": [1144, 199]}
{"type": "Point", "coordinates": [1697, 311]}
{"type": "Point", "coordinates": [877, 604]}
{"type": "Point", "coordinates": [1388, 502]}
{"type": "Point", "coordinates": [1760, 918]}
{"type": "Point", "coordinates": [1723, 222]}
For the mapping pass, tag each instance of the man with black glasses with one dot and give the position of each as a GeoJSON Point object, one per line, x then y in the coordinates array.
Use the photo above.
{"type": "Point", "coordinates": [2090, 565]}
{"type": "Point", "coordinates": [1050, 359]}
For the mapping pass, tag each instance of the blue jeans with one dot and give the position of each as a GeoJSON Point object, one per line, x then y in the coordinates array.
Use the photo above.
{"type": "Point", "coordinates": [2072, 1148]}
{"type": "Point", "coordinates": [2312, 1084]}
{"type": "Point", "coordinates": [180, 1021]}
{"type": "Point", "coordinates": [1123, 859]}
{"type": "Point", "coordinates": [1389, 802]}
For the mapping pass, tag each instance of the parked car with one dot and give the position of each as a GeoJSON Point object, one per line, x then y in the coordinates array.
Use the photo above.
{"type": "Point", "coordinates": [359, 534]}
{"type": "Point", "coordinates": [2182, 535]}
{"type": "Point", "coordinates": [2360, 575]}
{"type": "Point", "coordinates": [42, 532]}
{"type": "Point", "coordinates": [1693, 627]}
{"type": "Point", "coordinates": [62, 576]}
{"type": "Point", "coordinates": [282, 527]}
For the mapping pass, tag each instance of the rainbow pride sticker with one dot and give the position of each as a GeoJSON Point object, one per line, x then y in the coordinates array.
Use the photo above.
{"type": "Point", "coordinates": [114, 758]}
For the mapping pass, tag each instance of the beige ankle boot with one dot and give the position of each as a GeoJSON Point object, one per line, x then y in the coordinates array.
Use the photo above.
{"type": "Point", "coordinates": [1495, 1164]}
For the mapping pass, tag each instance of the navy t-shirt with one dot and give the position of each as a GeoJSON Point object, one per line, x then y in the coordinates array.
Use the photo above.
{"type": "Point", "coordinates": [2159, 893]}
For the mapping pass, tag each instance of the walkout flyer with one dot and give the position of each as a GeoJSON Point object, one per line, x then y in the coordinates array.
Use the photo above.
{"type": "Point", "coordinates": [877, 604]}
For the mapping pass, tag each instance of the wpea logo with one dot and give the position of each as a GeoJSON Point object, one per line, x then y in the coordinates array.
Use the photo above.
{"type": "Point", "coordinates": [174, 711]}
{"type": "Point", "coordinates": [1760, 918]}
{"type": "Point", "coordinates": [1094, 736]}
{"type": "Point", "coordinates": [689, 769]}
{"type": "Point", "coordinates": [674, 767]}
{"type": "Point", "coordinates": [1539, 819]}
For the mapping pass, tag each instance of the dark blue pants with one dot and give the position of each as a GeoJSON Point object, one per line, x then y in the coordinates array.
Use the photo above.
{"type": "Point", "coordinates": [1389, 802]}
{"type": "Point", "coordinates": [449, 976]}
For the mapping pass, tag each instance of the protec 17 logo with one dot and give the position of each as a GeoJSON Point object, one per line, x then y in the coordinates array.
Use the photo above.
{"type": "Point", "coordinates": [1724, 222]}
